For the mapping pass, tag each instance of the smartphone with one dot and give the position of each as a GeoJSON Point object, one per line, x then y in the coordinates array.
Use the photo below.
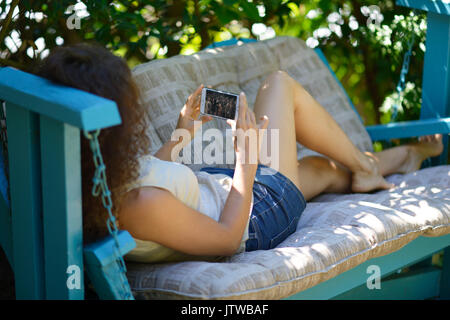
{"type": "Point", "coordinates": [219, 104]}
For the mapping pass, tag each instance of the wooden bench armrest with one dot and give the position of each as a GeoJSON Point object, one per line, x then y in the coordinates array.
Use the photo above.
{"type": "Point", "coordinates": [409, 129]}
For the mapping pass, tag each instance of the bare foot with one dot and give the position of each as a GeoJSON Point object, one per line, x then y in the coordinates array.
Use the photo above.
{"type": "Point", "coordinates": [427, 146]}
{"type": "Point", "coordinates": [370, 179]}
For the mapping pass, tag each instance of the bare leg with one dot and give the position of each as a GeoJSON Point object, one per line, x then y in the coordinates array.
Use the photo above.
{"type": "Point", "coordinates": [409, 158]}
{"type": "Point", "coordinates": [322, 175]}
{"type": "Point", "coordinates": [275, 100]}
{"type": "Point", "coordinates": [300, 118]}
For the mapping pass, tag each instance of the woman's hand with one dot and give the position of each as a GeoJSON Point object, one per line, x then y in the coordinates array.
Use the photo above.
{"type": "Point", "coordinates": [190, 112]}
{"type": "Point", "coordinates": [187, 121]}
{"type": "Point", "coordinates": [248, 135]}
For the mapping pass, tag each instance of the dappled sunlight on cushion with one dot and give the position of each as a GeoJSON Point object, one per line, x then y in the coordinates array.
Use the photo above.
{"type": "Point", "coordinates": [374, 222]}
{"type": "Point", "coordinates": [426, 212]}
{"type": "Point", "coordinates": [335, 232]}
{"type": "Point", "coordinates": [332, 237]}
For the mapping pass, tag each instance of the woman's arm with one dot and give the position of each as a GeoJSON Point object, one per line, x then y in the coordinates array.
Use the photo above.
{"type": "Point", "coordinates": [154, 214]}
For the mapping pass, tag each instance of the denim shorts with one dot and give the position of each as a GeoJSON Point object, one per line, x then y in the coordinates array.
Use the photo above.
{"type": "Point", "coordinates": [277, 206]}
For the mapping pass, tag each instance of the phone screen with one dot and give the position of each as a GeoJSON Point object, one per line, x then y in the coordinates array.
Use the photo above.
{"type": "Point", "coordinates": [220, 104]}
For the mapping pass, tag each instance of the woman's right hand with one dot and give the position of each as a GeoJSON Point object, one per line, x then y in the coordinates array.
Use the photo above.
{"type": "Point", "coordinates": [247, 134]}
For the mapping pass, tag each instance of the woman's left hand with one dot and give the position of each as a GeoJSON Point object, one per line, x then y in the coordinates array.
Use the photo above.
{"type": "Point", "coordinates": [190, 112]}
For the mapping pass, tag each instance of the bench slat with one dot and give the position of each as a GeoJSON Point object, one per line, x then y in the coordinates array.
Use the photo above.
{"type": "Point", "coordinates": [62, 210]}
{"type": "Point", "coordinates": [102, 268]}
{"type": "Point", "coordinates": [436, 6]}
{"type": "Point", "coordinates": [407, 129]}
{"type": "Point", "coordinates": [26, 204]}
{"type": "Point", "coordinates": [78, 108]}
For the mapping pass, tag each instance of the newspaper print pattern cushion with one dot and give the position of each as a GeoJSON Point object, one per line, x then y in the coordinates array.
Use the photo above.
{"type": "Point", "coordinates": [166, 84]}
{"type": "Point", "coordinates": [335, 233]}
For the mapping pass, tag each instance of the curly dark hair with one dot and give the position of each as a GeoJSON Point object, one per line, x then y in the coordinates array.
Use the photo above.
{"type": "Point", "coordinates": [96, 70]}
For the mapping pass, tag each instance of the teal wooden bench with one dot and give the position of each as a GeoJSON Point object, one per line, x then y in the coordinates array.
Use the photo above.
{"type": "Point", "coordinates": [40, 211]}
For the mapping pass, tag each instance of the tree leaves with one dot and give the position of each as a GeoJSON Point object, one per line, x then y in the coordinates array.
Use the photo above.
{"type": "Point", "coordinates": [250, 10]}
{"type": "Point", "coordinates": [141, 30]}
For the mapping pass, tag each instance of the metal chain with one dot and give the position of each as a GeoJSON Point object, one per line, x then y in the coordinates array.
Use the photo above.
{"type": "Point", "coordinates": [100, 188]}
{"type": "Point", "coordinates": [401, 85]}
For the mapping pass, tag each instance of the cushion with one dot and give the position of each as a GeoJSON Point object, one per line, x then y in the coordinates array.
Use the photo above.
{"type": "Point", "coordinates": [165, 85]}
{"type": "Point", "coordinates": [334, 234]}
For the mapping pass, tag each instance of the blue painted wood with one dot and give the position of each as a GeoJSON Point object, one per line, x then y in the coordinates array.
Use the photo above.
{"type": "Point", "coordinates": [5, 213]}
{"type": "Point", "coordinates": [408, 129]}
{"type": "Point", "coordinates": [4, 184]}
{"type": "Point", "coordinates": [26, 206]}
{"type": "Point", "coordinates": [102, 268]}
{"type": "Point", "coordinates": [62, 210]}
{"type": "Point", "coordinates": [445, 279]}
{"type": "Point", "coordinates": [436, 72]}
{"type": "Point", "coordinates": [436, 6]}
{"type": "Point", "coordinates": [417, 285]}
{"type": "Point", "coordinates": [229, 42]}
{"type": "Point", "coordinates": [78, 108]}
{"type": "Point", "coordinates": [411, 253]}
{"type": "Point", "coordinates": [101, 253]}
{"type": "Point", "coordinates": [325, 61]}
{"type": "Point", "coordinates": [5, 230]}
{"type": "Point", "coordinates": [46, 223]}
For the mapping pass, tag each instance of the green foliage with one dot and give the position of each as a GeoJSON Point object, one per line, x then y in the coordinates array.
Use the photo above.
{"type": "Point", "coordinates": [367, 57]}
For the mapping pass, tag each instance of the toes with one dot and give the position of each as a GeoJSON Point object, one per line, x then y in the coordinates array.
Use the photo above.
{"type": "Point", "coordinates": [438, 137]}
{"type": "Point", "coordinates": [387, 186]}
{"type": "Point", "coordinates": [434, 138]}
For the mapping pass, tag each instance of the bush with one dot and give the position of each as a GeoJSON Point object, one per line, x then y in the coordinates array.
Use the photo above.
{"type": "Point", "coordinates": [364, 41]}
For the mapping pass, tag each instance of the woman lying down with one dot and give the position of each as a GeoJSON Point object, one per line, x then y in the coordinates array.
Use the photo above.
{"type": "Point", "coordinates": [174, 213]}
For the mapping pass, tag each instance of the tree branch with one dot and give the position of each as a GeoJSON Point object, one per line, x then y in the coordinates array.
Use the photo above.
{"type": "Point", "coordinates": [203, 27]}
{"type": "Point", "coordinates": [7, 20]}
{"type": "Point", "coordinates": [11, 63]}
{"type": "Point", "coordinates": [370, 71]}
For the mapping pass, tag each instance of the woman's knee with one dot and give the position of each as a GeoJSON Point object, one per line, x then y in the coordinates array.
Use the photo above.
{"type": "Point", "coordinates": [278, 81]}
{"type": "Point", "coordinates": [283, 79]}
{"type": "Point", "coordinates": [278, 76]}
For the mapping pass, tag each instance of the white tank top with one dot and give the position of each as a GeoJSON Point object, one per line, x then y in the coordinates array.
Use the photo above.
{"type": "Point", "coordinates": [201, 191]}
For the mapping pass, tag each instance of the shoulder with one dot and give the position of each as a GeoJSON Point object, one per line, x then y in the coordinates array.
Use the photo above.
{"type": "Point", "coordinates": [150, 197]}
{"type": "Point", "coordinates": [143, 203]}
{"type": "Point", "coordinates": [150, 165]}
{"type": "Point", "coordinates": [154, 172]}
